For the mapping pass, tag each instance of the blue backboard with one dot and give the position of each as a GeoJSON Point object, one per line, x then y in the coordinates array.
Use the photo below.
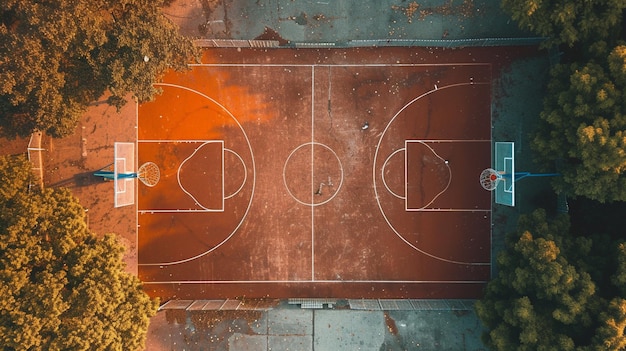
{"type": "Point", "coordinates": [505, 165]}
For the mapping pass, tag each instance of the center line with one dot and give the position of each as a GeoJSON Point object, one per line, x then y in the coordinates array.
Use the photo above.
{"type": "Point", "coordinates": [312, 172]}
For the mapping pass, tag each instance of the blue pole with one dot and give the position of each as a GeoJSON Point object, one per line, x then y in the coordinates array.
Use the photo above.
{"type": "Point", "coordinates": [112, 175]}
{"type": "Point", "coordinates": [522, 175]}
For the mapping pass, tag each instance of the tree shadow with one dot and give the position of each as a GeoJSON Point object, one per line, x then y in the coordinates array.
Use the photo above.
{"type": "Point", "coordinates": [78, 180]}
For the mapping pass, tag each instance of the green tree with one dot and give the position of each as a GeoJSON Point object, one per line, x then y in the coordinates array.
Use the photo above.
{"type": "Point", "coordinates": [539, 300]}
{"type": "Point", "coordinates": [610, 333]}
{"type": "Point", "coordinates": [568, 21]}
{"type": "Point", "coordinates": [550, 292]}
{"type": "Point", "coordinates": [61, 287]}
{"type": "Point", "coordinates": [57, 56]}
{"type": "Point", "coordinates": [584, 128]}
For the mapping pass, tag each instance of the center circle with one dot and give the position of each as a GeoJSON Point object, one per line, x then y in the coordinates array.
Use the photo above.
{"type": "Point", "coordinates": [313, 174]}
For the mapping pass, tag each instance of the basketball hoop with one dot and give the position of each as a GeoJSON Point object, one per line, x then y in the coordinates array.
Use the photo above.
{"type": "Point", "coordinates": [149, 174]}
{"type": "Point", "coordinates": [489, 179]}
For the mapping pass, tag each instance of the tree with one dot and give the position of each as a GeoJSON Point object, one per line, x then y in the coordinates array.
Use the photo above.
{"type": "Point", "coordinates": [583, 126]}
{"type": "Point", "coordinates": [62, 288]}
{"type": "Point", "coordinates": [544, 297]}
{"type": "Point", "coordinates": [610, 333]}
{"type": "Point", "coordinates": [568, 21]}
{"type": "Point", "coordinates": [57, 56]}
{"type": "Point", "coordinates": [538, 300]}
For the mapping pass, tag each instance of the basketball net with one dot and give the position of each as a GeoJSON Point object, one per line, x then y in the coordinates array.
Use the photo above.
{"type": "Point", "coordinates": [489, 179]}
{"type": "Point", "coordinates": [149, 174]}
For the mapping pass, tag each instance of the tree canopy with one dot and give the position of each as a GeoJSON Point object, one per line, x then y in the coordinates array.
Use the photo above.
{"type": "Point", "coordinates": [550, 292]}
{"type": "Point", "coordinates": [569, 21]}
{"type": "Point", "coordinates": [583, 126]}
{"type": "Point", "coordinates": [57, 56]}
{"type": "Point", "coordinates": [61, 287]}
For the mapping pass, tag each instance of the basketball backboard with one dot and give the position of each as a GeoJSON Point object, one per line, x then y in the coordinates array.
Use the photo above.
{"type": "Point", "coordinates": [505, 164]}
{"type": "Point", "coordinates": [124, 165]}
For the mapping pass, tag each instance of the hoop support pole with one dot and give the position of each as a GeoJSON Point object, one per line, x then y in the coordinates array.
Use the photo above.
{"type": "Point", "coordinates": [522, 175]}
{"type": "Point", "coordinates": [112, 175]}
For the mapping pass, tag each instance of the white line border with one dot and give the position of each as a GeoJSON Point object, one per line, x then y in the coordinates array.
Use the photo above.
{"type": "Point", "coordinates": [116, 171]}
{"type": "Point", "coordinates": [406, 175]}
{"type": "Point", "coordinates": [382, 174]}
{"type": "Point", "coordinates": [245, 174]}
{"type": "Point", "coordinates": [253, 170]}
{"type": "Point", "coordinates": [280, 65]}
{"type": "Point", "coordinates": [180, 167]}
{"type": "Point", "coordinates": [374, 170]}
{"type": "Point", "coordinates": [202, 208]}
{"type": "Point", "coordinates": [313, 280]}
{"type": "Point", "coordinates": [319, 281]}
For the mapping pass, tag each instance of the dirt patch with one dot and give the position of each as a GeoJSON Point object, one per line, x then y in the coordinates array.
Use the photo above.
{"type": "Point", "coordinates": [391, 324]}
{"type": "Point", "coordinates": [465, 10]}
{"type": "Point", "coordinates": [212, 329]}
{"type": "Point", "coordinates": [70, 163]}
{"type": "Point", "coordinates": [271, 34]}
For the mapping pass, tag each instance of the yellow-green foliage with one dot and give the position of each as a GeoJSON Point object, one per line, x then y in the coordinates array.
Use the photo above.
{"type": "Point", "coordinates": [61, 287]}
{"type": "Point", "coordinates": [567, 21]}
{"type": "Point", "coordinates": [583, 126]}
{"type": "Point", "coordinates": [544, 296]}
{"type": "Point", "coordinates": [56, 57]}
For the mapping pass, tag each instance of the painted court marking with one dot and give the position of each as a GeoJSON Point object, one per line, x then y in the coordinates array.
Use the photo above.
{"type": "Point", "coordinates": [253, 170]}
{"type": "Point", "coordinates": [202, 208]}
{"type": "Point", "coordinates": [406, 171]}
{"type": "Point", "coordinates": [312, 203]}
{"type": "Point", "coordinates": [245, 174]}
{"type": "Point", "coordinates": [182, 187]}
{"type": "Point", "coordinates": [382, 175]}
{"type": "Point", "coordinates": [374, 171]}
{"type": "Point", "coordinates": [321, 281]}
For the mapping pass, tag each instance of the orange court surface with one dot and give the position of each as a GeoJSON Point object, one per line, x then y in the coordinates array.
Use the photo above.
{"type": "Point", "coordinates": [329, 173]}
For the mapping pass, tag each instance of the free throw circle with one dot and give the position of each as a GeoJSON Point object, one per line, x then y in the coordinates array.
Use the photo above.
{"type": "Point", "coordinates": [313, 174]}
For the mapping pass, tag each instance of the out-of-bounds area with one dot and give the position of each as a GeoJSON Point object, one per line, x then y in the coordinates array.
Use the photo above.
{"type": "Point", "coordinates": [337, 173]}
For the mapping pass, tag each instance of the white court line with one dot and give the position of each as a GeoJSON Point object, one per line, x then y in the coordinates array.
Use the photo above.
{"type": "Point", "coordinates": [451, 210]}
{"type": "Point", "coordinates": [469, 64]}
{"type": "Point", "coordinates": [312, 173]}
{"type": "Point", "coordinates": [414, 247]}
{"type": "Point", "coordinates": [317, 281]}
{"type": "Point", "coordinates": [178, 210]}
{"type": "Point", "coordinates": [245, 173]}
{"type": "Point", "coordinates": [180, 167]}
{"type": "Point", "coordinates": [312, 136]}
{"type": "Point", "coordinates": [383, 175]}
{"type": "Point", "coordinates": [253, 181]}
{"type": "Point", "coordinates": [118, 179]}
{"type": "Point", "coordinates": [312, 203]}
{"type": "Point", "coordinates": [202, 208]}
{"type": "Point", "coordinates": [135, 184]}
{"type": "Point", "coordinates": [181, 141]}
{"type": "Point", "coordinates": [406, 175]}
{"type": "Point", "coordinates": [435, 141]}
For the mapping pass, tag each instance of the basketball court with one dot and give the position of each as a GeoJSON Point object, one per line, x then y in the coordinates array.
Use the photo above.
{"type": "Point", "coordinates": [349, 173]}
